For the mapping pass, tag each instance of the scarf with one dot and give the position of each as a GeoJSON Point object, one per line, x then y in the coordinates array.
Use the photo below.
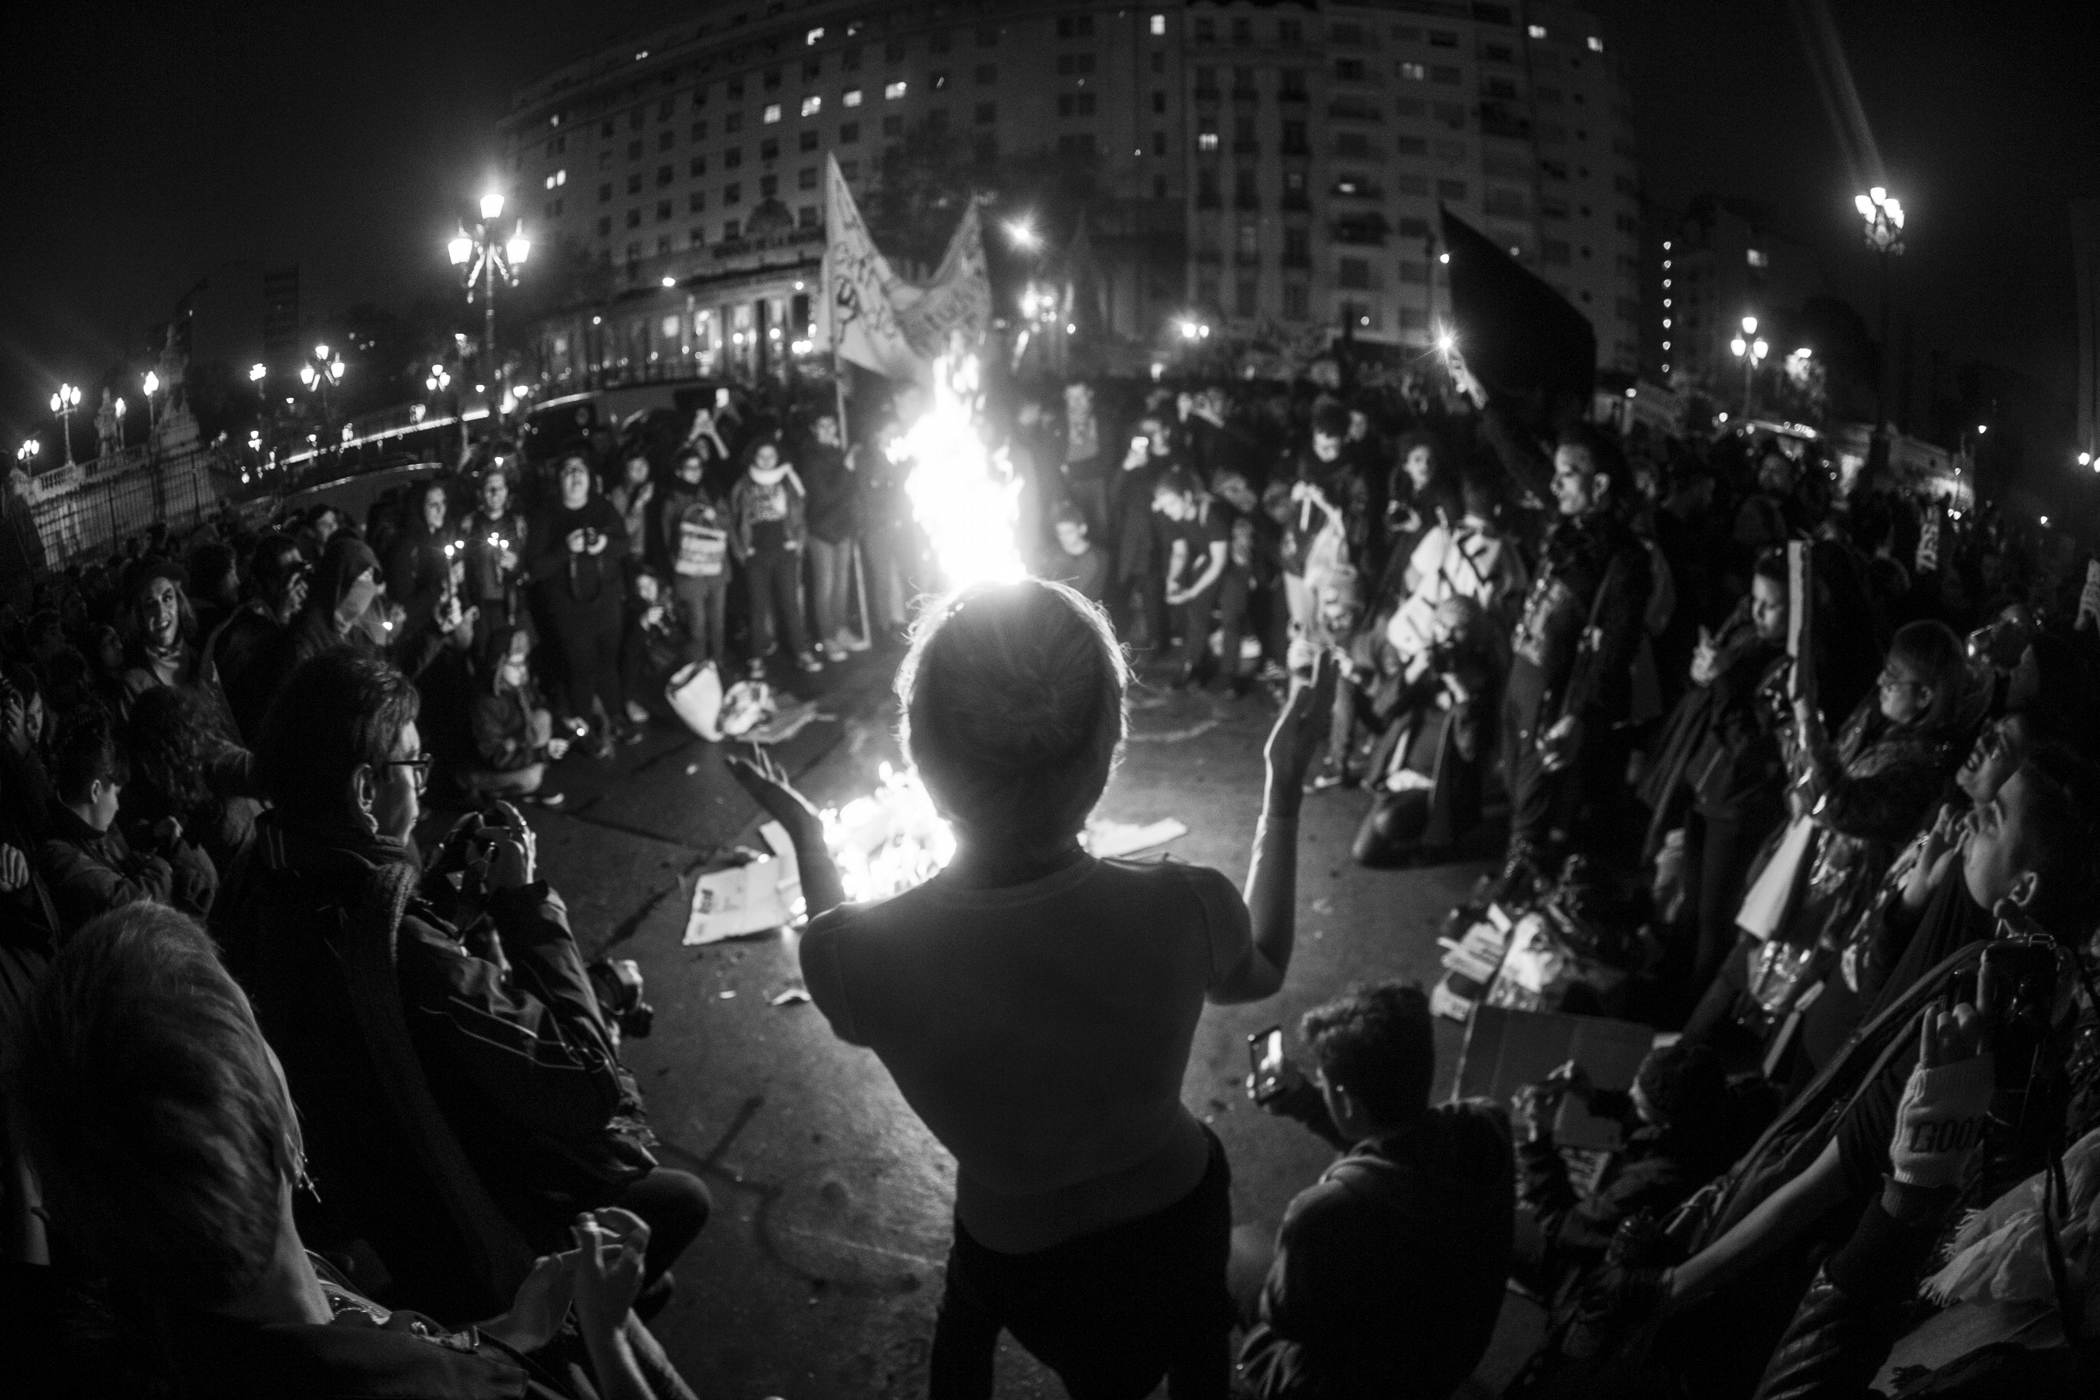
{"type": "Point", "coordinates": [1998, 1255]}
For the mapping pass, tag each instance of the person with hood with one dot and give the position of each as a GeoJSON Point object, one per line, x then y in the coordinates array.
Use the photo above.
{"type": "Point", "coordinates": [344, 607]}
{"type": "Point", "coordinates": [575, 554]}
{"type": "Point", "coordinates": [1388, 1272]}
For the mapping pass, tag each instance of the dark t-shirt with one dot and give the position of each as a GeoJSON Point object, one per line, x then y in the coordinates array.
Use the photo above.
{"type": "Point", "coordinates": [1212, 524]}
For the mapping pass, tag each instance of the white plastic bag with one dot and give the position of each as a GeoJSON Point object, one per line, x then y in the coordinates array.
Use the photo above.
{"type": "Point", "coordinates": [695, 696]}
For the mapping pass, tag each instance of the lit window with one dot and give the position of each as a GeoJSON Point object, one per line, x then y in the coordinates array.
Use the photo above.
{"type": "Point", "coordinates": [1536, 31]}
{"type": "Point", "coordinates": [852, 98]}
{"type": "Point", "coordinates": [1757, 257]}
{"type": "Point", "coordinates": [892, 91]}
{"type": "Point", "coordinates": [1596, 44]}
{"type": "Point", "coordinates": [771, 114]}
{"type": "Point", "coordinates": [640, 54]}
{"type": "Point", "coordinates": [814, 36]}
{"type": "Point", "coordinates": [554, 120]}
{"type": "Point", "coordinates": [1207, 141]}
{"type": "Point", "coordinates": [1158, 25]}
{"type": "Point", "coordinates": [812, 105]}
{"type": "Point", "coordinates": [1414, 72]}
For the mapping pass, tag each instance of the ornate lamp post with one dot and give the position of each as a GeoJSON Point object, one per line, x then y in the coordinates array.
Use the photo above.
{"type": "Point", "coordinates": [152, 387]}
{"type": "Point", "coordinates": [63, 402]}
{"type": "Point", "coordinates": [1751, 349]}
{"type": "Point", "coordinates": [320, 374]}
{"type": "Point", "coordinates": [491, 252]}
{"type": "Point", "coordinates": [26, 453]}
{"type": "Point", "coordinates": [1882, 218]}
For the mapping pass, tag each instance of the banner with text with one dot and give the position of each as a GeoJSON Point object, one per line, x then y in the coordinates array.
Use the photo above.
{"type": "Point", "coordinates": [878, 320]}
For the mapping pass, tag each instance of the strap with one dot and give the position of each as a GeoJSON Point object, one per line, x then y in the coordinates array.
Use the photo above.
{"type": "Point", "coordinates": [497, 1255]}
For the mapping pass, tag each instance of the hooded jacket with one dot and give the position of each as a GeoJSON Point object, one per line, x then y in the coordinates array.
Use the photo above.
{"type": "Point", "coordinates": [1390, 1269]}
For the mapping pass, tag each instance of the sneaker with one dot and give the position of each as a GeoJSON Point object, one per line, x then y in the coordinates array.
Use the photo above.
{"type": "Point", "coordinates": [849, 641]}
{"type": "Point", "coordinates": [1329, 776]}
{"type": "Point", "coordinates": [808, 663]}
{"type": "Point", "coordinates": [636, 713]}
{"type": "Point", "coordinates": [755, 669]}
{"type": "Point", "coordinates": [833, 652]}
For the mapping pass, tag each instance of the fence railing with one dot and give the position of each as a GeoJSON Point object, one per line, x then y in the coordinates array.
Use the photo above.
{"type": "Point", "coordinates": [103, 506]}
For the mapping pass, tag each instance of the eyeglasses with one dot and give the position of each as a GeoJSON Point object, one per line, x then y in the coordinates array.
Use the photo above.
{"type": "Point", "coordinates": [419, 767]}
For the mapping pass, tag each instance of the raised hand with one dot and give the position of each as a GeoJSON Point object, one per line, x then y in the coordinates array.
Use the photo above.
{"type": "Point", "coordinates": [1301, 730]}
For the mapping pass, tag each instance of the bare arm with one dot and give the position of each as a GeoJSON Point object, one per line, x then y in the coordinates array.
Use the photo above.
{"type": "Point", "coordinates": [1776, 1225]}
{"type": "Point", "coordinates": [1272, 874]}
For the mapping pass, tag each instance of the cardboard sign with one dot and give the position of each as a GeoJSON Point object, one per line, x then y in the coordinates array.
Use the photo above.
{"type": "Point", "coordinates": [1506, 1050]}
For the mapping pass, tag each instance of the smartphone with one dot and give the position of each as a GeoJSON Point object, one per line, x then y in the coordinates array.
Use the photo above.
{"type": "Point", "coordinates": [1265, 1055]}
{"type": "Point", "coordinates": [1139, 443]}
{"type": "Point", "coordinates": [721, 398]}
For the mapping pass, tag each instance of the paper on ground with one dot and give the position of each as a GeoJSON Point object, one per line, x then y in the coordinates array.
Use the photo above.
{"type": "Point", "coordinates": [757, 897]}
{"type": "Point", "coordinates": [1108, 840]}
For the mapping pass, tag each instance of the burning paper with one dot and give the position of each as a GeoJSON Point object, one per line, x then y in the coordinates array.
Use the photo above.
{"type": "Point", "coordinates": [889, 840]}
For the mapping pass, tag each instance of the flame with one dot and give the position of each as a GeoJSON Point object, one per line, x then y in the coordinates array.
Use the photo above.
{"type": "Point", "coordinates": [964, 497]}
{"type": "Point", "coordinates": [889, 840]}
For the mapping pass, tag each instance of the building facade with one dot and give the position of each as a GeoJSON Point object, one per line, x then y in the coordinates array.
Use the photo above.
{"type": "Point", "coordinates": [1262, 166]}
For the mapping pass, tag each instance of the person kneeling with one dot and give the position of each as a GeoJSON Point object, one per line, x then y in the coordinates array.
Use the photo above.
{"type": "Point", "coordinates": [1388, 1272]}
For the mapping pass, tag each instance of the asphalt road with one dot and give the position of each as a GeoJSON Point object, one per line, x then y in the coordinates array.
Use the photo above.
{"type": "Point", "coordinates": [820, 1272]}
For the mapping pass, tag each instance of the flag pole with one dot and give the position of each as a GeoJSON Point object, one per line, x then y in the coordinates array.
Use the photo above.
{"type": "Point", "coordinates": [838, 393]}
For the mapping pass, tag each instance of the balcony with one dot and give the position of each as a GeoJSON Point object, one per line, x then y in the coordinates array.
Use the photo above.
{"type": "Point", "coordinates": [1294, 97]}
{"type": "Point", "coordinates": [1368, 231]}
{"type": "Point", "coordinates": [1246, 148]}
{"type": "Point", "coordinates": [1208, 199]}
{"type": "Point", "coordinates": [1246, 94]}
{"type": "Point", "coordinates": [1296, 201]}
{"type": "Point", "coordinates": [1297, 257]}
{"type": "Point", "coordinates": [1209, 93]}
{"type": "Point", "coordinates": [1209, 254]}
{"type": "Point", "coordinates": [1346, 111]}
{"type": "Point", "coordinates": [1246, 199]}
{"type": "Point", "coordinates": [1247, 257]}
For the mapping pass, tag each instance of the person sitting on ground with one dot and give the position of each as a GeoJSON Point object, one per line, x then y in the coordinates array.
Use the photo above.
{"type": "Point", "coordinates": [1387, 1273]}
{"type": "Point", "coordinates": [514, 734]}
{"type": "Point", "coordinates": [1092, 1210]}
{"type": "Point", "coordinates": [84, 857]}
{"type": "Point", "coordinates": [163, 645]}
{"type": "Point", "coordinates": [521, 1059]}
{"type": "Point", "coordinates": [184, 765]}
{"type": "Point", "coordinates": [652, 646]}
{"type": "Point", "coordinates": [1677, 1136]}
{"type": "Point", "coordinates": [280, 575]}
{"type": "Point", "coordinates": [170, 1154]}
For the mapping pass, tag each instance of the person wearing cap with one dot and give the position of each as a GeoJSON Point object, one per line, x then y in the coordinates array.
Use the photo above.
{"type": "Point", "coordinates": [161, 646]}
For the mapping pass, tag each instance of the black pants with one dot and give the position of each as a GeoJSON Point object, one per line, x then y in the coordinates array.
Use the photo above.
{"type": "Point", "coordinates": [773, 578]}
{"type": "Point", "coordinates": [675, 1206]}
{"type": "Point", "coordinates": [1109, 1312]}
{"type": "Point", "coordinates": [587, 647]}
{"type": "Point", "coordinates": [1720, 846]}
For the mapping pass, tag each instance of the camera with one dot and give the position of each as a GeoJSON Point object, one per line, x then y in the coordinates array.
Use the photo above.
{"type": "Point", "coordinates": [617, 983]}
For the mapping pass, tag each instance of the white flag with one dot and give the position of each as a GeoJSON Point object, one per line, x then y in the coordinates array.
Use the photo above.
{"type": "Point", "coordinates": [877, 319]}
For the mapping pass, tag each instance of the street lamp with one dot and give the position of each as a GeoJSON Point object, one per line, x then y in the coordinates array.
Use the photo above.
{"type": "Point", "coordinates": [119, 406]}
{"type": "Point", "coordinates": [26, 453]}
{"type": "Point", "coordinates": [1023, 235]}
{"type": "Point", "coordinates": [489, 253]}
{"type": "Point", "coordinates": [320, 374]}
{"type": "Point", "coordinates": [1751, 349]}
{"type": "Point", "coordinates": [1882, 220]}
{"type": "Point", "coordinates": [63, 402]}
{"type": "Point", "coordinates": [152, 387]}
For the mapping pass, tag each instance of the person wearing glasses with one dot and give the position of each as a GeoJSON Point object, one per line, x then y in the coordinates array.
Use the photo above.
{"type": "Point", "coordinates": [481, 993]}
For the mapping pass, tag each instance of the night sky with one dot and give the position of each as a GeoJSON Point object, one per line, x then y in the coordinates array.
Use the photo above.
{"type": "Point", "coordinates": [149, 148]}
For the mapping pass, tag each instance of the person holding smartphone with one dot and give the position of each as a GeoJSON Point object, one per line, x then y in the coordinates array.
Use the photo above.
{"type": "Point", "coordinates": [1036, 1006]}
{"type": "Point", "coordinates": [1387, 1274]}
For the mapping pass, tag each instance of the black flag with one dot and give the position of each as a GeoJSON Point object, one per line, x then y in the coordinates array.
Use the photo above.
{"type": "Point", "coordinates": [1521, 339]}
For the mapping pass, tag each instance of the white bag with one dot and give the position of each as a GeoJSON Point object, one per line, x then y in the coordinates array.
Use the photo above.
{"type": "Point", "coordinates": [747, 705]}
{"type": "Point", "coordinates": [1770, 898]}
{"type": "Point", "coordinates": [695, 696]}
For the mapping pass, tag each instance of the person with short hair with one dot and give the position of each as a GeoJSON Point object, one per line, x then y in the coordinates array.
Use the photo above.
{"type": "Point", "coordinates": [1079, 563]}
{"type": "Point", "coordinates": [280, 577]}
{"type": "Point", "coordinates": [1092, 1209]}
{"type": "Point", "coordinates": [521, 1059]}
{"type": "Point", "coordinates": [494, 534]}
{"type": "Point", "coordinates": [85, 859]}
{"type": "Point", "coordinates": [692, 538]}
{"type": "Point", "coordinates": [170, 1155]}
{"type": "Point", "coordinates": [1387, 1274]}
{"type": "Point", "coordinates": [577, 547]}
{"type": "Point", "coordinates": [1199, 555]}
{"type": "Point", "coordinates": [768, 534]}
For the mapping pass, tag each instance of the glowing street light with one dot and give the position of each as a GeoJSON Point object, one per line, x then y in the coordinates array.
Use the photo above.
{"type": "Point", "coordinates": [63, 401]}
{"type": "Point", "coordinates": [1881, 220]}
{"type": "Point", "coordinates": [26, 453]}
{"type": "Point", "coordinates": [119, 407]}
{"type": "Point", "coordinates": [1023, 235]}
{"type": "Point", "coordinates": [1982, 428]}
{"type": "Point", "coordinates": [489, 253]}
{"type": "Point", "coordinates": [2085, 459]}
{"type": "Point", "coordinates": [1751, 349]}
{"type": "Point", "coordinates": [151, 384]}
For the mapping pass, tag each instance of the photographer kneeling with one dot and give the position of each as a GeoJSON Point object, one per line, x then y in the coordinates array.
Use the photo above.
{"type": "Point", "coordinates": [521, 1061]}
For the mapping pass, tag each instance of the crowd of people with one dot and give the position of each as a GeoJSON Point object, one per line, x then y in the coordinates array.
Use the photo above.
{"type": "Point", "coordinates": [311, 1089]}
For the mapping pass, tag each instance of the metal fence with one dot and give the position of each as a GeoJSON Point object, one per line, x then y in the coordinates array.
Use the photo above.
{"type": "Point", "coordinates": [104, 505]}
